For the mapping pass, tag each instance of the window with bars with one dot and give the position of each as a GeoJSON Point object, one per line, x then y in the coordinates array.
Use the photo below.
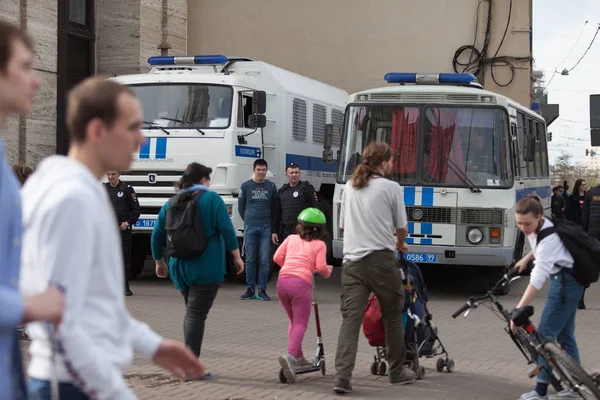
{"type": "Point", "coordinates": [299, 120]}
{"type": "Point", "coordinates": [319, 121]}
{"type": "Point", "coordinates": [337, 120]}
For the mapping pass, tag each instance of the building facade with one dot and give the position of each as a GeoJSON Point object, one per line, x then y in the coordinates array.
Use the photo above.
{"type": "Point", "coordinates": [78, 38]}
{"type": "Point", "coordinates": [352, 44]}
{"type": "Point", "coordinates": [347, 43]}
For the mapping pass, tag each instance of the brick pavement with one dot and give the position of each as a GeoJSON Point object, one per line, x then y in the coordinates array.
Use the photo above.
{"type": "Point", "coordinates": [244, 339]}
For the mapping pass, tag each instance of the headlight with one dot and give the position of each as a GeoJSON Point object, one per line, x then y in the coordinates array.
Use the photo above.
{"type": "Point", "coordinates": [475, 236]}
{"type": "Point", "coordinates": [229, 209]}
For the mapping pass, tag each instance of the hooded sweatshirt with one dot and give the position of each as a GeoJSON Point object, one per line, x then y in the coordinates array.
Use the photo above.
{"type": "Point", "coordinates": [71, 239]}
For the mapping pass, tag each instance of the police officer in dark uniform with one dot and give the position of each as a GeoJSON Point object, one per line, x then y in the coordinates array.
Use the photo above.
{"type": "Point", "coordinates": [127, 208]}
{"type": "Point", "coordinates": [590, 219]}
{"type": "Point", "coordinates": [293, 197]}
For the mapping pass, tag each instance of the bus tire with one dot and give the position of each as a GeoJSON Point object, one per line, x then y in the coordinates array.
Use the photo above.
{"type": "Point", "coordinates": [241, 278]}
{"type": "Point", "coordinates": [325, 207]}
{"type": "Point", "coordinates": [137, 256]}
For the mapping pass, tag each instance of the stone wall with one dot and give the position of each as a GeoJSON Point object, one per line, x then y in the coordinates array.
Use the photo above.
{"type": "Point", "coordinates": [33, 138]}
{"type": "Point", "coordinates": [129, 32]}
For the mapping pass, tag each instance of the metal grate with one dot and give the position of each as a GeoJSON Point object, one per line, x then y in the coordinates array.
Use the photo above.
{"type": "Point", "coordinates": [319, 121]}
{"type": "Point", "coordinates": [436, 215]}
{"type": "Point", "coordinates": [467, 216]}
{"type": "Point", "coordinates": [299, 120]}
{"type": "Point", "coordinates": [337, 120]}
{"type": "Point", "coordinates": [163, 180]}
{"type": "Point", "coordinates": [427, 97]}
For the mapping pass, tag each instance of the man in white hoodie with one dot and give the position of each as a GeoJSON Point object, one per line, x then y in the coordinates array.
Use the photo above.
{"type": "Point", "coordinates": [70, 232]}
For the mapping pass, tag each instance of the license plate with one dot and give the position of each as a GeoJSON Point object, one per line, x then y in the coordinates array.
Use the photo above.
{"type": "Point", "coordinates": [145, 223]}
{"type": "Point", "coordinates": [421, 257]}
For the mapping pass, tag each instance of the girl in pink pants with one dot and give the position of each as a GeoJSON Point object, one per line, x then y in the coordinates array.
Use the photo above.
{"type": "Point", "coordinates": [299, 257]}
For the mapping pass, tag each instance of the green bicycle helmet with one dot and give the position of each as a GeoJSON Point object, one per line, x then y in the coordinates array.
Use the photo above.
{"type": "Point", "coordinates": [312, 217]}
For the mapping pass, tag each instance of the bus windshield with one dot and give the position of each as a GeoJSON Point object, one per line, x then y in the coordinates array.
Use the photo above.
{"type": "Point", "coordinates": [186, 105]}
{"type": "Point", "coordinates": [432, 145]}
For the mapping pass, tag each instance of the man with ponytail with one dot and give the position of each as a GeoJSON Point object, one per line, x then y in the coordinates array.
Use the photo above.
{"type": "Point", "coordinates": [373, 218]}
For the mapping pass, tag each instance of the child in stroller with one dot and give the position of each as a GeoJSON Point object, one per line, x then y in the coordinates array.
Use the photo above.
{"type": "Point", "coordinates": [420, 334]}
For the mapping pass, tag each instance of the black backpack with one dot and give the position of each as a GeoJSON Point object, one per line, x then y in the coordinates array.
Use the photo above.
{"type": "Point", "coordinates": [584, 249]}
{"type": "Point", "coordinates": [185, 232]}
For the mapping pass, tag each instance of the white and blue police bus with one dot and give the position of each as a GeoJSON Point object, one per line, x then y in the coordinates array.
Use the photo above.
{"type": "Point", "coordinates": [226, 112]}
{"type": "Point", "coordinates": [463, 155]}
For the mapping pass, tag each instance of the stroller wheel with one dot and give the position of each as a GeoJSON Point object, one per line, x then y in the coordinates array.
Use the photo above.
{"type": "Point", "coordinates": [323, 369]}
{"type": "Point", "coordinates": [440, 364]}
{"type": "Point", "coordinates": [450, 365]}
{"type": "Point", "coordinates": [282, 377]}
{"type": "Point", "coordinates": [374, 369]}
{"type": "Point", "coordinates": [381, 369]}
{"type": "Point", "coordinates": [420, 373]}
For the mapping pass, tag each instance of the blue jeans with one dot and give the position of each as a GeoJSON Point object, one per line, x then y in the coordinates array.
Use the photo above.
{"type": "Point", "coordinates": [42, 390]}
{"type": "Point", "coordinates": [558, 318]}
{"type": "Point", "coordinates": [257, 238]}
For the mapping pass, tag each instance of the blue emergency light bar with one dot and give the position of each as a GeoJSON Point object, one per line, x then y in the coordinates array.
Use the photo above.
{"type": "Point", "coordinates": [178, 60]}
{"type": "Point", "coordinates": [444, 78]}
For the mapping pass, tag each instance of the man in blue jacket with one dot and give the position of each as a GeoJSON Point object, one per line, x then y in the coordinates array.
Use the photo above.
{"type": "Point", "coordinates": [18, 85]}
{"type": "Point", "coordinates": [257, 205]}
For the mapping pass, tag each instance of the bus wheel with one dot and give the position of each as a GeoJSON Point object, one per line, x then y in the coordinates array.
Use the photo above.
{"type": "Point", "coordinates": [325, 207]}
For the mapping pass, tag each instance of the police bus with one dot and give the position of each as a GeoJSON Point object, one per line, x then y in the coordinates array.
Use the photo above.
{"type": "Point", "coordinates": [463, 155]}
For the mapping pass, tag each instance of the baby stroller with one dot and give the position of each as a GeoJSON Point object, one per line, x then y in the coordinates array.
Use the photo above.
{"type": "Point", "coordinates": [420, 335]}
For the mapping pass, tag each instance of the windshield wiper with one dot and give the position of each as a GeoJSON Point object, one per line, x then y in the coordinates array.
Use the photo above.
{"type": "Point", "coordinates": [463, 177]}
{"type": "Point", "coordinates": [183, 122]}
{"type": "Point", "coordinates": [154, 125]}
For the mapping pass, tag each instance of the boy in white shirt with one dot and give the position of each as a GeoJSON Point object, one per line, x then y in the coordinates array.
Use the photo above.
{"type": "Point", "coordinates": [69, 240]}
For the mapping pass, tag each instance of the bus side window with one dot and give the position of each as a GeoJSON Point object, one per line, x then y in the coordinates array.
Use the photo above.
{"type": "Point", "coordinates": [244, 109]}
{"type": "Point", "coordinates": [522, 144]}
{"type": "Point", "coordinates": [543, 149]}
{"type": "Point", "coordinates": [514, 149]}
{"type": "Point", "coordinates": [530, 135]}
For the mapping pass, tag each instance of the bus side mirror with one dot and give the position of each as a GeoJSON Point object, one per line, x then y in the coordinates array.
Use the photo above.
{"type": "Point", "coordinates": [257, 121]}
{"type": "Point", "coordinates": [259, 102]}
{"type": "Point", "coordinates": [328, 156]}
{"type": "Point", "coordinates": [328, 141]}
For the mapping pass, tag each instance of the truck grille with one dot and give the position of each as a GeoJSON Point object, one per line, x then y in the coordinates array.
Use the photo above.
{"type": "Point", "coordinates": [436, 215]}
{"type": "Point", "coordinates": [477, 216]}
{"type": "Point", "coordinates": [144, 181]}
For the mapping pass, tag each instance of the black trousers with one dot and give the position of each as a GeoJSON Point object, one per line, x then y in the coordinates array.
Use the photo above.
{"type": "Point", "coordinates": [285, 231]}
{"type": "Point", "coordinates": [198, 300]}
{"type": "Point", "coordinates": [126, 246]}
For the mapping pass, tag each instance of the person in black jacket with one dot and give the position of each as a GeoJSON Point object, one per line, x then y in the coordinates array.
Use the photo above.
{"type": "Point", "coordinates": [292, 198]}
{"type": "Point", "coordinates": [127, 208]}
{"type": "Point", "coordinates": [558, 203]}
{"type": "Point", "coordinates": [575, 204]}
{"type": "Point", "coordinates": [590, 220]}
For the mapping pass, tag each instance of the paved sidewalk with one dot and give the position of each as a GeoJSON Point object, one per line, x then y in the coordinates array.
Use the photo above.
{"type": "Point", "coordinates": [244, 339]}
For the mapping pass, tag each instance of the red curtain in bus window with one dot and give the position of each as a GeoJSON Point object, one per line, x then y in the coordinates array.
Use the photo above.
{"type": "Point", "coordinates": [445, 144]}
{"type": "Point", "coordinates": [404, 140]}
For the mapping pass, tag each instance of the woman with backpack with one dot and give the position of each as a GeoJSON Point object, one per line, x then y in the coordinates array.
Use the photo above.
{"type": "Point", "coordinates": [552, 261]}
{"type": "Point", "coordinates": [197, 277]}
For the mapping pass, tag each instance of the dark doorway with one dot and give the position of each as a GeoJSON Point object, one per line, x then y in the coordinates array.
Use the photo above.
{"type": "Point", "coordinates": [76, 61]}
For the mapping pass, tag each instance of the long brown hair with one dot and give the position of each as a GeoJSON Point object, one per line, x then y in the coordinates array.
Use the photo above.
{"type": "Point", "coordinates": [373, 156]}
{"type": "Point", "coordinates": [309, 233]}
{"type": "Point", "coordinates": [530, 204]}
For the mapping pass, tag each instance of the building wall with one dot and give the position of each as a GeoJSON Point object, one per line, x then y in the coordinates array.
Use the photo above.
{"type": "Point", "coordinates": [30, 139]}
{"type": "Point", "coordinates": [128, 32]}
{"type": "Point", "coordinates": [352, 44]}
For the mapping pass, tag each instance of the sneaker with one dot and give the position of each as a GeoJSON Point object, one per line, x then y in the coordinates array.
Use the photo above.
{"type": "Point", "coordinates": [288, 363]}
{"type": "Point", "coordinates": [533, 395]}
{"type": "Point", "coordinates": [207, 375]}
{"type": "Point", "coordinates": [304, 363]}
{"type": "Point", "coordinates": [565, 394]}
{"type": "Point", "coordinates": [249, 295]}
{"type": "Point", "coordinates": [262, 295]}
{"type": "Point", "coordinates": [406, 377]}
{"type": "Point", "coordinates": [342, 386]}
